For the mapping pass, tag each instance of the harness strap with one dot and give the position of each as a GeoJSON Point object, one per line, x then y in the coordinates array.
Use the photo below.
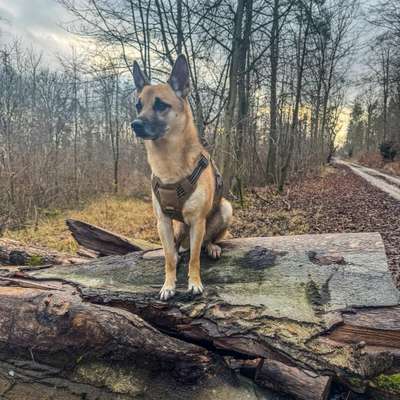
{"type": "Point", "coordinates": [172, 196]}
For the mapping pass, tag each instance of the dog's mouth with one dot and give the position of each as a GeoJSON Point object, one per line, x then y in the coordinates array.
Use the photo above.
{"type": "Point", "coordinates": [149, 131]}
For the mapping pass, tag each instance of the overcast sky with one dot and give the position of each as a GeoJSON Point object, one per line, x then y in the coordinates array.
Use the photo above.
{"type": "Point", "coordinates": [36, 22]}
{"type": "Point", "coordinates": [40, 24]}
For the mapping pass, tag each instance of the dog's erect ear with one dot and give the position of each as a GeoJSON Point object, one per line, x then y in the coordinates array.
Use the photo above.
{"type": "Point", "coordinates": [179, 79]}
{"type": "Point", "coordinates": [139, 77]}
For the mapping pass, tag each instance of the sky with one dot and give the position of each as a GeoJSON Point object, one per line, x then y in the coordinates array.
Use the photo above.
{"type": "Point", "coordinates": [40, 23]}
{"type": "Point", "coordinates": [37, 23]}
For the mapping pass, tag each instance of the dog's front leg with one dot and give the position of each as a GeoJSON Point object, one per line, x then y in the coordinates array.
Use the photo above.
{"type": "Point", "coordinates": [197, 232]}
{"type": "Point", "coordinates": [166, 233]}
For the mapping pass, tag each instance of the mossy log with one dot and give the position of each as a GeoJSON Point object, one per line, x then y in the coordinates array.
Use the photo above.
{"type": "Point", "coordinates": [56, 318]}
{"type": "Point", "coordinates": [307, 309]}
{"type": "Point", "coordinates": [13, 252]}
{"type": "Point", "coordinates": [22, 378]}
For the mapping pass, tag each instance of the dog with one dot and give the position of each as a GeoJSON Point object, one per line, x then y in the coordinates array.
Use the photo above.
{"type": "Point", "coordinates": [186, 186]}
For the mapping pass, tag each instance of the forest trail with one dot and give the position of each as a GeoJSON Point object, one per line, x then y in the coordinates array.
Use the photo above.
{"type": "Point", "coordinates": [384, 182]}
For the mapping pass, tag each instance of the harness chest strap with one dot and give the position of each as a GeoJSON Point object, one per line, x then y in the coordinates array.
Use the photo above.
{"type": "Point", "coordinates": [172, 196]}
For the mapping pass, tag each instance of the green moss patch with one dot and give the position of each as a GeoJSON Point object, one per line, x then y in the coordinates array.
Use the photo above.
{"type": "Point", "coordinates": [35, 260]}
{"type": "Point", "coordinates": [389, 383]}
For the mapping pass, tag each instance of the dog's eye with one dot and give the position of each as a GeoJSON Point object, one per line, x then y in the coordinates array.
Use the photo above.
{"type": "Point", "coordinates": [139, 106]}
{"type": "Point", "coordinates": [159, 105]}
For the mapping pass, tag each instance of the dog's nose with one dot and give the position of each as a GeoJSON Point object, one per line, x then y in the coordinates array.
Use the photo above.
{"type": "Point", "coordinates": [138, 127]}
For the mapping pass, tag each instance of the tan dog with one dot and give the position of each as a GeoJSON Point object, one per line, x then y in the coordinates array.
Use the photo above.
{"type": "Point", "coordinates": [173, 147]}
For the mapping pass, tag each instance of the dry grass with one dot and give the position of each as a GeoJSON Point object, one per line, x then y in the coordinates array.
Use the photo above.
{"type": "Point", "coordinates": [371, 159]}
{"type": "Point", "coordinates": [326, 170]}
{"type": "Point", "coordinates": [392, 168]}
{"type": "Point", "coordinates": [127, 216]}
{"type": "Point", "coordinates": [374, 160]}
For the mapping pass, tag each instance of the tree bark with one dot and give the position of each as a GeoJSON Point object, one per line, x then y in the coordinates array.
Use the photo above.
{"type": "Point", "coordinates": [59, 320]}
{"type": "Point", "coordinates": [272, 373]}
{"type": "Point", "coordinates": [303, 309]}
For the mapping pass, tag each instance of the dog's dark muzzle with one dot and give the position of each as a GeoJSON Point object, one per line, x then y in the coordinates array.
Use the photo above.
{"type": "Point", "coordinates": [145, 130]}
{"type": "Point", "coordinates": [139, 128]}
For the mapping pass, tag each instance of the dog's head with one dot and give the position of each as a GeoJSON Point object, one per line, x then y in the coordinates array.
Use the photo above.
{"type": "Point", "coordinates": [161, 108]}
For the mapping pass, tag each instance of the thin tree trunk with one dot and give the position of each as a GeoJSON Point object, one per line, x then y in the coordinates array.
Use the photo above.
{"type": "Point", "coordinates": [273, 105]}
{"type": "Point", "coordinates": [75, 91]}
{"type": "Point", "coordinates": [295, 118]}
{"type": "Point", "coordinates": [385, 84]}
{"type": "Point", "coordinates": [243, 100]}
{"type": "Point", "coordinates": [116, 138]}
{"type": "Point", "coordinates": [179, 33]}
{"type": "Point", "coordinates": [229, 116]}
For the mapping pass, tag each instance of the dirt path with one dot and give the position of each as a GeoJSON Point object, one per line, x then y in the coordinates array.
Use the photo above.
{"type": "Point", "coordinates": [384, 182]}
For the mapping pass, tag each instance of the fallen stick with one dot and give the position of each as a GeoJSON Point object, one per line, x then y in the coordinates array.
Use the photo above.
{"type": "Point", "coordinates": [103, 242]}
{"type": "Point", "coordinates": [29, 284]}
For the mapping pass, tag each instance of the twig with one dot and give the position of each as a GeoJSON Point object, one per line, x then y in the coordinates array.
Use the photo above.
{"type": "Point", "coordinates": [286, 201]}
{"type": "Point", "coordinates": [29, 284]}
{"type": "Point", "coordinates": [261, 197]}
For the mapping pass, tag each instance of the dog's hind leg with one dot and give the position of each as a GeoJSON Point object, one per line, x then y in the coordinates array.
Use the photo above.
{"type": "Point", "coordinates": [217, 227]}
{"type": "Point", "coordinates": [181, 235]}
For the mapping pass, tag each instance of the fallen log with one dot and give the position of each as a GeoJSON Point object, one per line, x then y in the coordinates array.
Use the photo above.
{"type": "Point", "coordinates": [16, 253]}
{"type": "Point", "coordinates": [103, 242]}
{"type": "Point", "coordinates": [58, 320]}
{"type": "Point", "coordinates": [282, 378]}
{"type": "Point", "coordinates": [310, 307]}
{"type": "Point", "coordinates": [27, 379]}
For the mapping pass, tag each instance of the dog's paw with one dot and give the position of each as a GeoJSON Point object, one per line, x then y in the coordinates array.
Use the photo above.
{"type": "Point", "coordinates": [195, 287]}
{"type": "Point", "coordinates": [167, 292]}
{"type": "Point", "coordinates": [213, 250]}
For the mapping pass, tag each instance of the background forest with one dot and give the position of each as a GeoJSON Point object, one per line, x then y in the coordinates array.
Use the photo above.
{"type": "Point", "coordinates": [272, 83]}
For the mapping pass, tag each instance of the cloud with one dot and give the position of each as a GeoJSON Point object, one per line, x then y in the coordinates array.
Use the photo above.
{"type": "Point", "coordinates": [38, 23]}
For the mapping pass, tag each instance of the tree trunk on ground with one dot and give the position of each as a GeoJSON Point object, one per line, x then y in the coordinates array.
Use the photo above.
{"type": "Point", "coordinates": [29, 379]}
{"type": "Point", "coordinates": [303, 309]}
{"type": "Point", "coordinates": [16, 253]}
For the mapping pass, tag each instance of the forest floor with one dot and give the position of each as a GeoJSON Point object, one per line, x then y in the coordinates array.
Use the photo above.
{"type": "Point", "coordinates": [336, 200]}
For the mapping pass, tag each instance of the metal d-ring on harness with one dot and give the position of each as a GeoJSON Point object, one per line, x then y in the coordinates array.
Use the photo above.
{"type": "Point", "coordinates": [172, 196]}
